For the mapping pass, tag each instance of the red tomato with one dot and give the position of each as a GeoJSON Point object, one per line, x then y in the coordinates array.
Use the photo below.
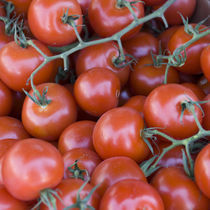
{"type": "Point", "coordinates": [44, 19]}
{"type": "Point", "coordinates": [87, 160]}
{"type": "Point", "coordinates": [117, 133]}
{"type": "Point", "coordinates": [131, 194]}
{"type": "Point", "coordinates": [77, 135]}
{"type": "Point", "coordinates": [206, 109]}
{"type": "Point", "coordinates": [8, 202]}
{"type": "Point", "coordinates": [193, 52]}
{"type": "Point", "coordinates": [40, 166]}
{"type": "Point", "coordinates": [101, 55]}
{"type": "Point", "coordinates": [67, 191]}
{"type": "Point", "coordinates": [141, 44]}
{"type": "Point", "coordinates": [6, 99]}
{"type": "Point", "coordinates": [12, 128]}
{"type": "Point", "coordinates": [205, 62]}
{"type": "Point", "coordinates": [17, 64]}
{"type": "Point", "coordinates": [113, 17]}
{"type": "Point", "coordinates": [97, 91]}
{"type": "Point", "coordinates": [178, 191]}
{"type": "Point", "coordinates": [162, 109]}
{"type": "Point", "coordinates": [113, 170]}
{"type": "Point", "coordinates": [202, 170]}
{"type": "Point", "coordinates": [49, 120]}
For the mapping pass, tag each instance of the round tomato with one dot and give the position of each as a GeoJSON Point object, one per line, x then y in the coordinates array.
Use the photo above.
{"type": "Point", "coordinates": [97, 91]}
{"type": "Point", "coordinates": [131, 194]}
{"type": "Point", "coordinates": [202, 170]}
{"type": "Point", "coordinates": [44, 19]}
{"type": "Point", "coordinates": [178, 191]}
{"type": "Point", "coordinates": [47, 121]}
{"type": "Point", "coordinates": [77, 135]}
{"type": "Point", "coordinates": [113, 16]}
{"type": "Point", "coordinates": [40, 166]}
{"type": "Point", "coordinates": [17, 64]}
{"type": "Point", "coordinates": [163, 107]}
{"type": "Point", "coordinates": [113, 170]}
{"type": "Point", "coordinates": [117, 133]}
{"type": "Point", "coordinates": [205, 62]}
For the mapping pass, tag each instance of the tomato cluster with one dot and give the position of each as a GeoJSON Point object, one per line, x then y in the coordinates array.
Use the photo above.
{"type": "Point", "coordinates": [102, 107]}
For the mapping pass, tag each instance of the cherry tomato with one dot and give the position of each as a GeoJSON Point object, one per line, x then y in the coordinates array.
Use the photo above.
{"type": "Point", "coordinates": [12, 128]}
{"type": "Point", "coordinates": [163, 107]}
{"type": "Point", "coordinates": [17, 64]}
{"type": "Point", "coordinates": [101, 55]}
{"type": "Point", "coordinates": [193, 52]}
{"type": "Point", "coordinates": [141, 44]}
{"type": "Point", "coordinates": [117, 133]}
{"type": "Point", "coordinates": [49, 120]}
{"type": "Point", "coordinates": [97, 91]}
{"type": "Point", "coordinates": [44, 19]}
{"type": "Point", "coordinates": [8, 202]}
{"type": "Point", "coordinates": [113, 170]}
{"type": "Point", "coordinates": [178, 191]}
{"type": "Point", "coordinates": [131, 194]}
{"type": "Point", "coordinates": [40, 166]}
{"type": "Point", "coordinates": [112, 17]}
{"type": "Point", "coordinates": [202, 170]}
{"type": "Point", "coordinates": [6, 99]}
{"type": "Point", "coordinates": [205, 62]}
{"type": "Point", "coordinates": [87, 160]}
{"type": "Point", "coordinates": [67, 191]}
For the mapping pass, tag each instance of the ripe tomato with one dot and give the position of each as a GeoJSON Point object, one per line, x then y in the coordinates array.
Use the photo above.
{"type": "Point", "coordinates": [162, 109]}
{"type": "Point", "coordinates": [12, 128]}
{"type": "Point", "coordinates": [49, 120]}
{"type": "Point", "coordinates": [141, 44]}
{"type": "Point", "coordinates": [206, 109]}
{"type": "Point", "coordinates": [117, 133]}
{"type": "Point", "coordinates": [202, 170]}
{"type": "Point", "coordinates": [113, 170]}
{"type": "Point", "coordinates": [131, 194]}
{"type": "Point", "coordinates": [17, 64]}
{"type": "Point", "coordinates": [67, 191]}
{"type": "Point", "coordinates": [40, 166]}
{"type": "Point", "coordinates": [101, 55]}
{"type": "Point", "coordinates": [87, 160]}
{"type": "Point", "coordinates": [44, 19]}
{"type": "Point", "coordinates": [77, 135]}
{"type": "Point", "coordinates": [205, 62]}
{"type": "Point", "coordinates": [178, 191]}
{"type": "Point", "coordinates": [97, 91]}
{"type": "Point", "coordinates": [113, 17]}
{"type": "Point", "coordinates": [6, 99]}
{"type": "Point", "coordinates": [8, 202]}
{"type": "Point", "coordinates": [193, 52]}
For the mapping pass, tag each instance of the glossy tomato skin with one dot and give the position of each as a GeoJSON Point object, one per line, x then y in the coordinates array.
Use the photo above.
{"type": "Point", "coordinates": [44, 18]}
{"type": "Point", "coordinates": [97, 91]}
{"type": "Point", "coordinates": [101, 55]}
{"type": "Point", "coordinates": [205, 62]}
{"type": "Point", "coordinates": [131, 194]}
{"type": "Point", "coordinates": [202, 170]}
{"type": "Point", "coordinates": [17, 64]}
{"type": "Point", "coordinates": [193, 52]}
{"type": "Point", "coordinates": [12, 128]}
{"type": "Point", "coordinates": [77, 135]}
{"type": "Point", "coordinates": [8, 202]}
{"type": "Point", "coordinates": [112, 18]}
{"type": "Point", "coordinates": [178, 191]}
{"type": "Point", "coordinates": [48, 121]}
{"type": "Point", "coordinates": [6, 100]}
{"type": "Point", "coordinates": [67, 191]}
{"type": "Point", "coordinates": [117, 133]}
{"type": "Point", "coordinates": [40, 166]}
{"type": "Point", "coordinates": [162, 109]}
{"type": "Point", "coordinates": [113, 170]}
{"type": "Point", "coordinates": [87, 160]}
